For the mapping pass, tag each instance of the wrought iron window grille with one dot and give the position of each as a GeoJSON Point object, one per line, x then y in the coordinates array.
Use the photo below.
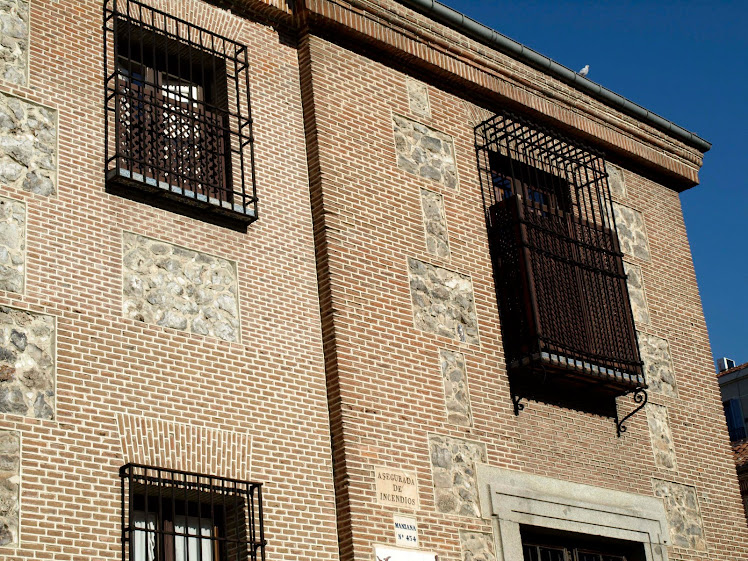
{"type": "Point", "coordinates": [171, 515]}
{"type": "Point", "coordinates": [178, 121]}
{"type": "Point", "coordinates": [549, 553]}
{"type": "Point", "coordinates": [568, 328]}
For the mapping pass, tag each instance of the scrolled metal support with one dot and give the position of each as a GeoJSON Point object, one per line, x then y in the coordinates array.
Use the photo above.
{"type": "Point", "coordinates": [640, 397]}
{"type": "Point", "coordinates": [517, 405]}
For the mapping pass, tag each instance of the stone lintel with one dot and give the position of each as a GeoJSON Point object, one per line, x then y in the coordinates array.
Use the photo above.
{"type": "Point", "coordinates": [515, 498]}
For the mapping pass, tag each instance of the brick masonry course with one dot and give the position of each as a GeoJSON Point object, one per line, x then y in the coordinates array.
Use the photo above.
{"type": "Point", "coordinates": [269, 385]}
{"type": "Point", "coordinates": [383, 370]}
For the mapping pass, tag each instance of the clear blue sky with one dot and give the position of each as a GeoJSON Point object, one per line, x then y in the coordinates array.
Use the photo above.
{"type": "Point", "coordinates": [688, 62]}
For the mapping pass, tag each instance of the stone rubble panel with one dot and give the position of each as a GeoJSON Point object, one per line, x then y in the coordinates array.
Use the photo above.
{"type": "Point", "coordinates": [443, 302]}
{"type": "Point", "coordinates": [14, 41]}
{"type": "Point", "coordinates": [616, 182]}
{"type": "Point", "coordinates": [167, 285]}
{"type": "Point", "coordinates": [632, 236]}
{"type": "Point", "coordinates": [12, 245]}
{"type": "Point", "coordinates": [456, 388]}
{"type": "Point", "coordinates": [658, 366]}
{"type": "Point", "coordinates": [27, 363]}
{"type": "Point", "coordinates": [10, 483]}
{"type": "Point", "coordinates": [637, 297]}
{"type": "Point", "coordinates": [425, 152]}
{"type": "Point", "coordinates": [28, 146]}
{"type": "Point", "coordinates": [453, 468]}
{"type": "Point", "coordinates": [435, 223]}
{"type": "Point", "coordinates": [662, 438]}
{"type": "Point", "coordinates": [477, 546]}
{"type": "Point", "coordinates": [418, 98]}
{"type": "Point", "coordinates": [683, 514]}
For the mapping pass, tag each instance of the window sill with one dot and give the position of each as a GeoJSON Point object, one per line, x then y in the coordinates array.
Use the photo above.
{"type": "Point", "coordinates": [148, 190]}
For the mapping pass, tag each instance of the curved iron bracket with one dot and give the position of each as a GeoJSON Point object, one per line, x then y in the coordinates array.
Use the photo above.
{"type": "Point", "coordinates": [517, 405]}
{"type": "Point", "coordinates": [640, 397]}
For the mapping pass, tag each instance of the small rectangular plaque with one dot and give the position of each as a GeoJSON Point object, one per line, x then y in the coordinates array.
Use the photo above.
{"type": "Point", "coordinates": [385, 553]}
{"type": "Point", "coordinates": [406, 531]}
{"type": "Point", "coordinates": [396, 487]}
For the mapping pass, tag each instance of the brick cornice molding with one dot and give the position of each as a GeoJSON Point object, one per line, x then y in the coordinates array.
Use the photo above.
{"type": "Point", "coordinates": [406, 37]}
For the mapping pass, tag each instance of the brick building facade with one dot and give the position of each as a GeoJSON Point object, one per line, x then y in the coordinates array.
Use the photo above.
{"type": "Point", "coordinates": [313, 295]}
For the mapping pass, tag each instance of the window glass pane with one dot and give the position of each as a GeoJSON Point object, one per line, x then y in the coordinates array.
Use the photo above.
{"type": "Point", "coordinates": [188, 548]}
{"type": "Point", "coordinates": [144, 543]}
{"type": "Point", "coordinates": [548, 554]}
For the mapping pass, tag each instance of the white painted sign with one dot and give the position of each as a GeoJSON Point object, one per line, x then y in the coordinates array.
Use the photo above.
{"type": "Point", "coordinates": [384, 553]}
{"type": "Point", "coordinates": [406, 531]}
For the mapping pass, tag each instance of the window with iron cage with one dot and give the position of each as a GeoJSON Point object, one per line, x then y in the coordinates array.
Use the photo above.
{"type": "Point", "coordinates": [170, 515]}
{"type": "Point", "coordinates": [178, 118]}
{"type": "Point", "coordinates": [561, 287]}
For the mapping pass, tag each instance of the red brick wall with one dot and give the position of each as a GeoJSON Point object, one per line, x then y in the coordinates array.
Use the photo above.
{"type": "Point", "coordinates": [269, 389]}
{"type": "Point", "coordinates": [387, 372]}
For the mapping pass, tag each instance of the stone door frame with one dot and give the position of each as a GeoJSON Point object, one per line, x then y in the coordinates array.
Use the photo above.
{"type": "Point", "coordinates": [512, 498]}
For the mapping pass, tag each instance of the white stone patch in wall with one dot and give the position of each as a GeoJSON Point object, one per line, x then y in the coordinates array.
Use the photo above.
{"type": "Point", "coordinates": [453, 468]}
{"type": "Point", "coordinates": [632, 235]}
{"type": "Point", "coordinates": [418, 98]}
{"type": "Point", "coordinates": [616, 181]}
{"type": "Point", "coordinates": [28, 146]}
{"type": "Point", "coordinates": [443, 302]}
{"type": "Point", "coordinates": [10, 487]}
{"type": "Point", "coordinates": [658, 366]}
{"type": "Point", "coordinates": [14, 41]}
{"type": "Point", "coordinates": [435, 223]}
{"type": "Point", "coordinates": [170, 286]}
{"type": "Point", "coordinates": [477, 546]}
{"type": "Point", "coordinates": [456, 388]}
{"type": "Point", "coordinates": [27, 363]}
{"type": "Point", "coordinates": [12, 245]}
{"type": "Point", "coordinates": [637, 297]}
{"type": "Point", "coordinates": [683, 514]}
{"type": "Point", "coordinates": [662, 438]}
{"type": "Point", "coordinates": [424, 151]}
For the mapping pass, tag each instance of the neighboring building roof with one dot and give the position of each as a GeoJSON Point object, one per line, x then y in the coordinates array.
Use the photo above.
{"type": "Point", "coordinates": [733, 369]}
{"type": "Point", "coordinates": [740, 449]}
{"type": "Point", "coordinates": [468, 26]}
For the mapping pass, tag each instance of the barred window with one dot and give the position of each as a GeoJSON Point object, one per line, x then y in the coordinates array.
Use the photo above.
{"type": "Point", "coordinates": [547, 553]}
{"type": "Point", "coordinates": [170, 515]}
{"type": "Point", "coordinates": [178, 119]}
{"type": "Point", "coordinates": [566, 317]}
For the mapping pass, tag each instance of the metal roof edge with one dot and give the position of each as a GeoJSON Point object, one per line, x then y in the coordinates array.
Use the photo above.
{"type": "Point", "coordinates": [484, 34]}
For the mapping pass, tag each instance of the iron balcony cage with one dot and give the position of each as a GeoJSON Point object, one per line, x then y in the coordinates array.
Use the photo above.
{"type": "Point", "coordinates": [172, 515]}
{"type": "Point", "coordinates": [178, 118]}
{"type": "Point", "coordinates": [558, 268]}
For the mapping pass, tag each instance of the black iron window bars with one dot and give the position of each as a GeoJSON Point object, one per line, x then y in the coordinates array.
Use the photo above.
{"type": "Point", "coordinates": [178, 117]}
{"type": "Point", "coordinates": [171, 515]}
{"type": "Point", "coordinates": [558, 268]}
{"type": "Point", "coordinates": [545, 553]}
